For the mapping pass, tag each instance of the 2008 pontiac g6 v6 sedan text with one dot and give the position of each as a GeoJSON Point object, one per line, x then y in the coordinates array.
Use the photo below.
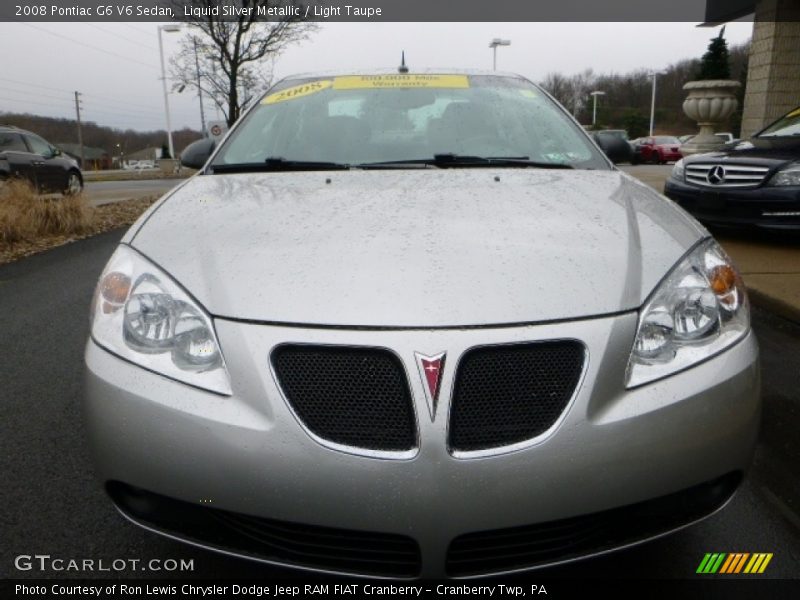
{"type": "Point", "coordinates": [414, 325]}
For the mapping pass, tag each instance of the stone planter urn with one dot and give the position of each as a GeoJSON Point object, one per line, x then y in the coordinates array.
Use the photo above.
{"type": "Point", "coordinates": [710, 103]}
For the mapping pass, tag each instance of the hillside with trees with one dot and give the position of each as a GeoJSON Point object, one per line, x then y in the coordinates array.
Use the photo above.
{"type": "Point", "coordinates": [626, 103]}
{"type": "Point", "coordinates": [65, 131]}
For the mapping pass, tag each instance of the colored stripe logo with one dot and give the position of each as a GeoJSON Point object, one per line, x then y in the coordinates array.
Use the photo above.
{"type": "Point", "coordinates": [734, 563]}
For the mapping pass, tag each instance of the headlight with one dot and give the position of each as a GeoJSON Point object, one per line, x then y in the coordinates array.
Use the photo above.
{"type": "Point", "coordinates": [699, 310]}
{"type": "Point", "coordinates": [678, 170]}
{"type": "Point", "coordinates": [789, 175]}
{"type": "Point", "coordinates": [140, 314]}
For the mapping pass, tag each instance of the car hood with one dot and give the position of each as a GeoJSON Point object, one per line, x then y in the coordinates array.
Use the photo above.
{"type": "Point", "coordinates": [758, 150]}
{"type": "Point", "coordinates": [417, 248]}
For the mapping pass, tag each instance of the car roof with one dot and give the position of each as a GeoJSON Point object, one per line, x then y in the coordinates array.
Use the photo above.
{"type": "Point", "coordinates": [15, 129]}
{"type": "Point", "coordinates": [394, 71]}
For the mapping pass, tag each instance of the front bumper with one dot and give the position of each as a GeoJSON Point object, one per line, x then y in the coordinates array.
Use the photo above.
{"type": "Point", "coordinates": [765, 206]}
{"type": "Point", "coordinates": [248, 455]}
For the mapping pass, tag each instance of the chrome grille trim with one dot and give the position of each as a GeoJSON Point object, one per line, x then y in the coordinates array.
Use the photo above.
{"type": "Point", "coordinates": [736, 175]}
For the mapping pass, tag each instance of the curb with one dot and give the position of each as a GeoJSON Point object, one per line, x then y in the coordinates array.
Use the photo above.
{"type": "Point", "coordinates": [774, 305]}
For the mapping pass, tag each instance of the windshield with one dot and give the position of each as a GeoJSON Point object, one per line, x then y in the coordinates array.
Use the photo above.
{"type": "Point", "coordinates": [666, 139]}
{"type": "Point", "coordinates": [788, 125]}
{"type": "Point", "coordinates": [360, 120]}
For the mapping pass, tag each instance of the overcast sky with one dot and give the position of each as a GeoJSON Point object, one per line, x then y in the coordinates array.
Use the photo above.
{"type": "Point", "coordinates": [115, 65]}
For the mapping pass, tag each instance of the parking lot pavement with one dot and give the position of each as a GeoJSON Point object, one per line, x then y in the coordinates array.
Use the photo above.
{"type": "Point", "coordinates": [769, 260]}
{"type": "Point", "coordinates": [652, 175]}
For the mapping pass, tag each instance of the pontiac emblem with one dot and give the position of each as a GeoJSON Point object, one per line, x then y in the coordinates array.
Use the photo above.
{"type": "Point", "coordinates": [430, 371]}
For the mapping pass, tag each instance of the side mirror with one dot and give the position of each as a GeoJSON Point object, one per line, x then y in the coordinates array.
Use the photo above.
{"type": "Point", "coordinates": [616, 149]}
{"type": "Point", "coordinates": [196, 154]}
{"type": "Point", "coordinates": [55, 152]}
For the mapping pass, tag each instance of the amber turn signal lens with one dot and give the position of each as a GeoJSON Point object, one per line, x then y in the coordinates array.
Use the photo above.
{"type": "Point", "coordinates": [723, 279]}
{"type": "Point", "coordinates": [115, 287]}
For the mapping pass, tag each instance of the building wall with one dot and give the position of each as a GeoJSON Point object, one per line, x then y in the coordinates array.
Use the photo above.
{"type": "Point", "coordinates": [773, 76]}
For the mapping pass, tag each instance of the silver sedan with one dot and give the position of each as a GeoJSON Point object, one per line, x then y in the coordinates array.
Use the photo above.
{"type": "Point", "coordinates": [417, 325]}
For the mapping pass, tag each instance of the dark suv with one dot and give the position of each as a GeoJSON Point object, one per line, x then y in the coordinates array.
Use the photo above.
{"type": "Point", "coordinates": [26, 155]}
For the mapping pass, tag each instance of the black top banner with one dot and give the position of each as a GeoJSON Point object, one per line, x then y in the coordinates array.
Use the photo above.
{"type": "Point", "coordinates": [697, 11]}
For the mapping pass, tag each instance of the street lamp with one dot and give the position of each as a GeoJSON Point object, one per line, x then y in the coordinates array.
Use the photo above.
{"type": "Point", "coordinates": [653, 100]}
{"type": "Point", "coordinates": [199, 89]}
{"type": "Point", "coordinates": [493, 45]}
{"type": "Point", "coordinates": [168, 29]}
{"type": "Point", "coordinates": [595, 94]}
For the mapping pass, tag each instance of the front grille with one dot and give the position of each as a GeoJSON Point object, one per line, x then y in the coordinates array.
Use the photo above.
{"type": "Point", "coordinates": [508, 394]}
{"type": "Point", "coordinates": [538, 545]}
{"type": "Point", "coordinates": [351, 396]}
{"type": "Point", "coordinates": [735, 175]}
{"type": "Point", "coordinates": [282, 542]}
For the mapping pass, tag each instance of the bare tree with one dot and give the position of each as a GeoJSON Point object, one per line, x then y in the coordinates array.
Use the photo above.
{"type": "Point", "coordinates": [580, 86]}
{"type": "Point", "coordinates": [230, 58]}
{"type": "Point", "coordinates": [558, 86]}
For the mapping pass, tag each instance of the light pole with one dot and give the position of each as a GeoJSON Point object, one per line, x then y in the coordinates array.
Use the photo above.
{"type": "Point", "coordinates": [493, 45]}
{"type": "Point", "coordinates": [595, 94]}
{"type": "Point", "coordinates": [199, 89]}
{"type": "Point", "coordinates": [168, 29]}
{"type": "Point", "coordinates": [653, 101]}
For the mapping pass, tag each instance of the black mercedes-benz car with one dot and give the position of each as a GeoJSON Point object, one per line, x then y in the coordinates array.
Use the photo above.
{"type": "Point", "coordinates": [26, 155]}
{"type": "Point", "coordinates": [752, 182]}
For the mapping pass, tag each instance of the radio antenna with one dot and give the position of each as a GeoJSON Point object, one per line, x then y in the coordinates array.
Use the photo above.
{"type": "Point", "coordinates": [402, 68]}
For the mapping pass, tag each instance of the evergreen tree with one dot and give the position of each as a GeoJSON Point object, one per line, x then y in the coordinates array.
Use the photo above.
{"type": "Point", "coordinates": [635, 122]}
{"type": "Point", "coordinates": [715, 62]}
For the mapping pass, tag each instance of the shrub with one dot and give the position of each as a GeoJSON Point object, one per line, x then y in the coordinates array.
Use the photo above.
{"type": "Point", "coordinates": [24, 214]}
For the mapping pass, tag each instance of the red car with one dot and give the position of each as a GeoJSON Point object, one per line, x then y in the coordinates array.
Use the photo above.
{"type": "Point", "coordinates": [658, 149]}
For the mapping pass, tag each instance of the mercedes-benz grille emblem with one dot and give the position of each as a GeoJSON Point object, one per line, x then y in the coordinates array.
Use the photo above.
{"type": "Point", "coordinates": [716, 175]}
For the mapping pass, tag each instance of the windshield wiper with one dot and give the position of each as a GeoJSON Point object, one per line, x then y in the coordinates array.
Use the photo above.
{"type": "Point", "coordinates": [449, 160]}
{"type": "Point", "coordinates": [441, 161]}
{"type": "Point", "coordinates": [422, 163]}
{"type": "Point", "coordinates": [274, 163]}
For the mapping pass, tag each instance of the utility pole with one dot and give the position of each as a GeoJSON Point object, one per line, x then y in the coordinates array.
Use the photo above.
{"type": "Point", "coordinates": [80, 131]}
{"type": "Point", "coordinates": [171, 28]}
{"type": "Point", "coordinates": [653, 102]}
{"type": "Point", "coordinates": [594, 95]}
{"type": "Point", "coordinates": [199, 89]}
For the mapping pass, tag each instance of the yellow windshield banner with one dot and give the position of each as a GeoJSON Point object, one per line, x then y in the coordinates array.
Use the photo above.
{"type": "Point", "coordinates": [794, 113]}
{"type": "Point", "coordinates": [298, 91]}
{"type": "Point", "coordinates": [399, 80]}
